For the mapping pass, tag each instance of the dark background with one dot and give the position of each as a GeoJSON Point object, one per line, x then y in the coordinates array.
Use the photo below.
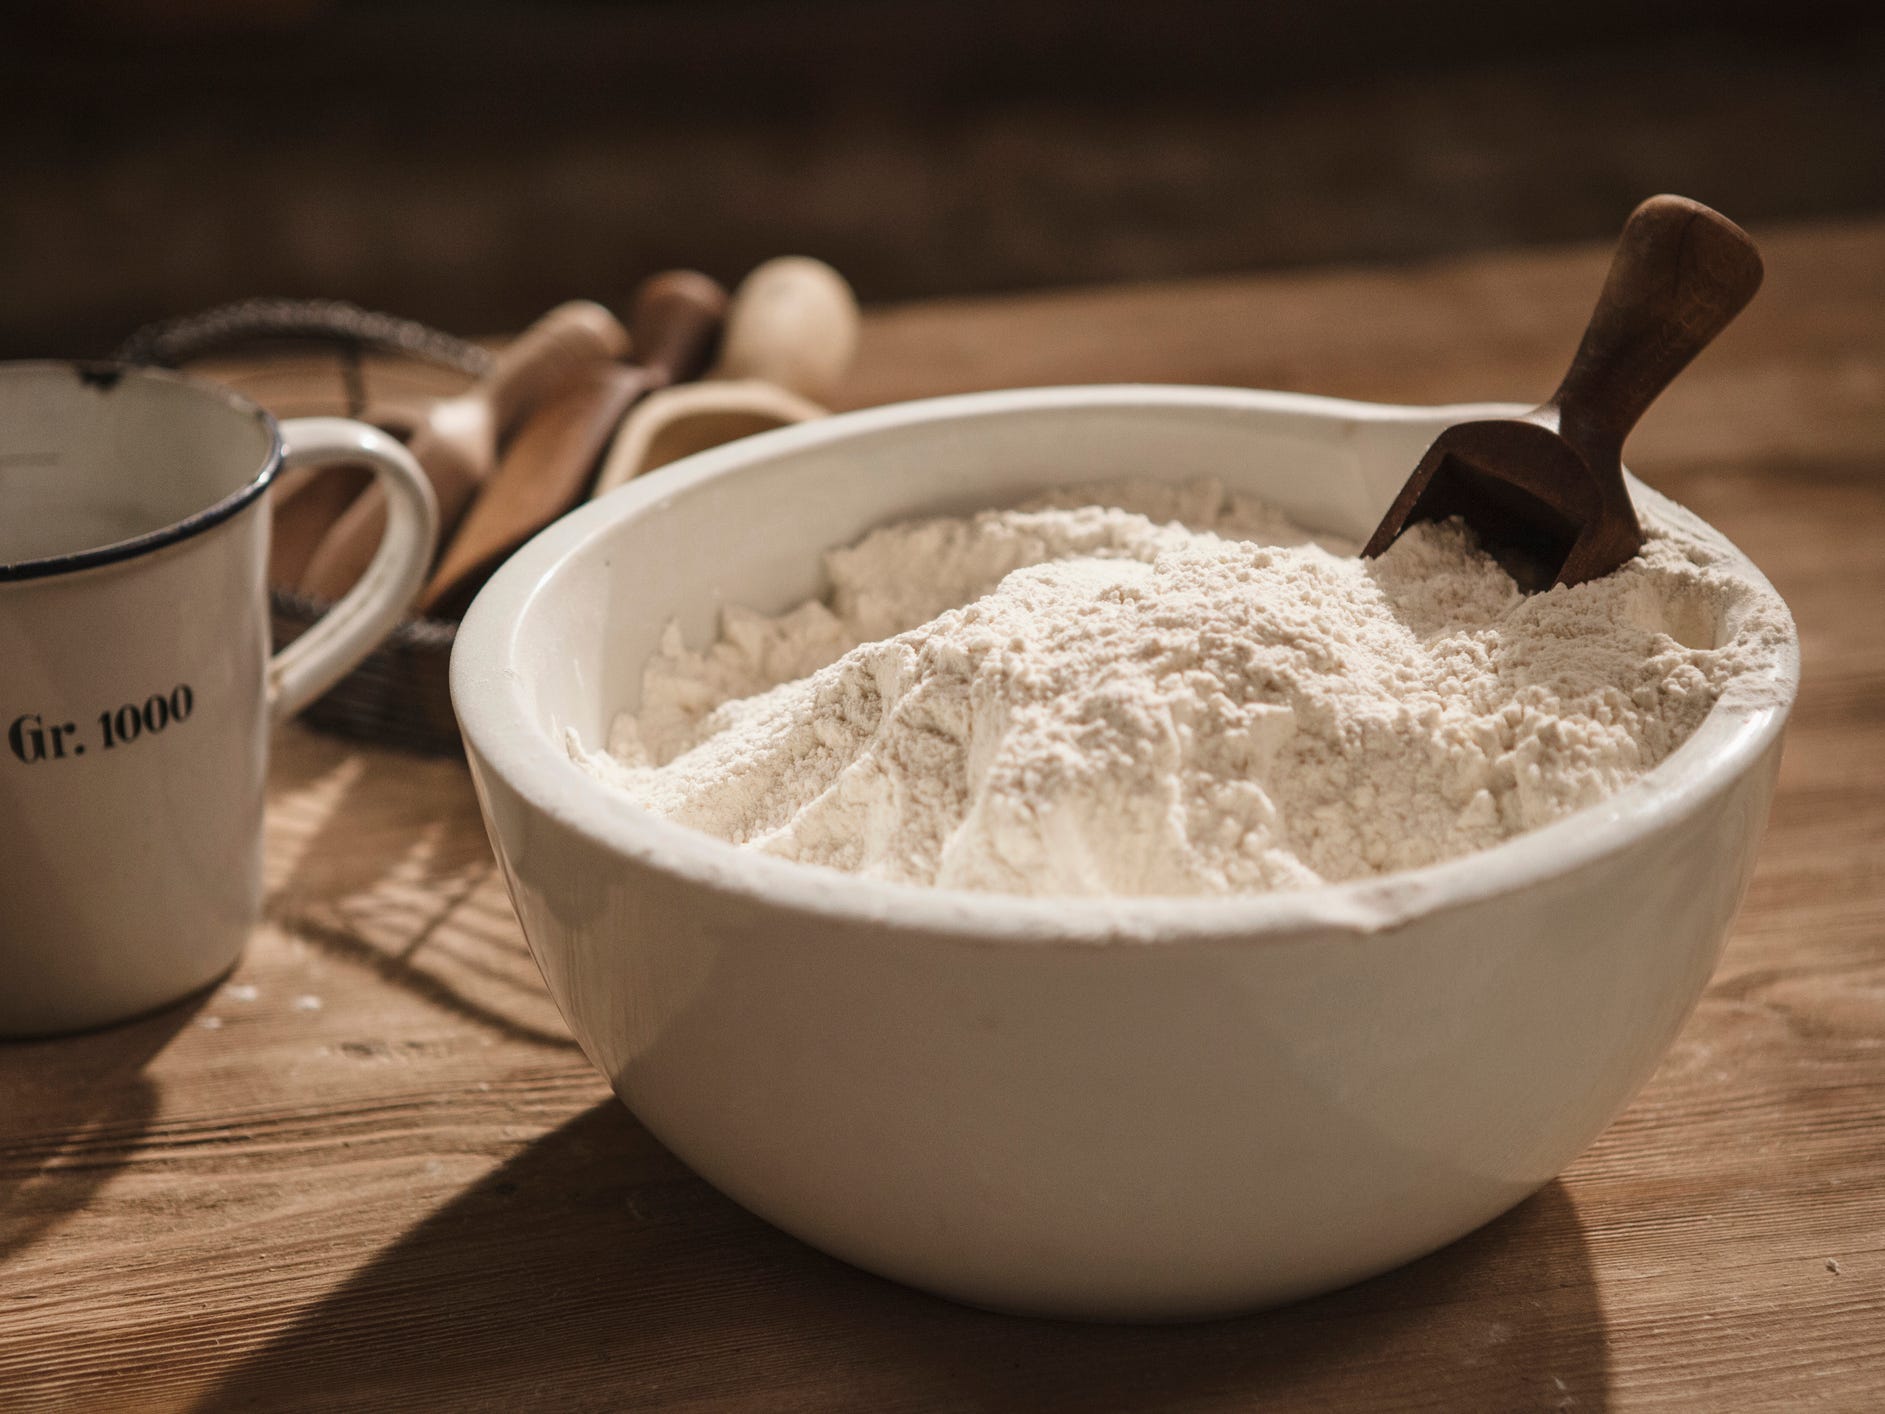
{"type": "Point", "coordinates": [472, 164]}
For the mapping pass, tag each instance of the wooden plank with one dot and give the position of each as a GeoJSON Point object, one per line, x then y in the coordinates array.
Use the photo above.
{"type": "Point", "coordinates": [371, 1169]}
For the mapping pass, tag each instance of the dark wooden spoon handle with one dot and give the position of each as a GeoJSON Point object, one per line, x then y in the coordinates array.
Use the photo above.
{"type": "Point", "coordinates": [1680, 274]}
{"type": "Point", "coordinates": [674, 325]}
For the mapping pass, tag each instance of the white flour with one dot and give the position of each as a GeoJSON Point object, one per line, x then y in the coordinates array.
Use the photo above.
{"type": "Point", "coordinates": [1155, 690]}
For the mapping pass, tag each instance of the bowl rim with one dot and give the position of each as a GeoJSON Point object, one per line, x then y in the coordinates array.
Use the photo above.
{"type": "Point", "coordinates": [503, 734]}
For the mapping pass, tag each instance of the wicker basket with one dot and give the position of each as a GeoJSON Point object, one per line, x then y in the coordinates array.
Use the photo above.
{"type": "Point", "coordinates": [399, 695]}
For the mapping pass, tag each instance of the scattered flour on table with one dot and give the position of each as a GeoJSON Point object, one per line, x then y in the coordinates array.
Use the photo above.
{"type": "Point", "coordinates": [1146, 689]}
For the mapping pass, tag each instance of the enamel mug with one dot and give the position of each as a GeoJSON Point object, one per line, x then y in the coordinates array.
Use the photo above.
{"type": "Point", "coordinates": [136, 685]}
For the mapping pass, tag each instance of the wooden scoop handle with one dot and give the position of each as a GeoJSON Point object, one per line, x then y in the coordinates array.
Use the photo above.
{"type": "Point", "coordinates": [1680, 274]}
{"type": "Point", "coordinates": [542, 360]}
{"type": "Point", "coordinates": [793, 322]}
{"type": "Point", "coordinates": [675, 321]}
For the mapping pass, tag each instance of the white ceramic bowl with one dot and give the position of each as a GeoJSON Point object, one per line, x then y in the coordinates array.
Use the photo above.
{"type": "Point", "coordinates": [1130, 1109]}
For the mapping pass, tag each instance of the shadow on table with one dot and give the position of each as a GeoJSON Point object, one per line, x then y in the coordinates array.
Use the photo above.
{"type": "Point", "coordinates": [383, 797]}
{"type": "Point", "coordinates": [391, 871]}
{"type": "Point", "coordinates": [74, 1109]}
{"type": "Point", "coordinates": [593, 1270]}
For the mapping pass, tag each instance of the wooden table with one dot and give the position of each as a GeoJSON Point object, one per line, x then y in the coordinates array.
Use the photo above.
{"type": "Point", "coordinates": [371, 1169]}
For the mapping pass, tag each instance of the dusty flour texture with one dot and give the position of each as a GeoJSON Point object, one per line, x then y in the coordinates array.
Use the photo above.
{"type": "Point", "coordinates": [1140, 689]}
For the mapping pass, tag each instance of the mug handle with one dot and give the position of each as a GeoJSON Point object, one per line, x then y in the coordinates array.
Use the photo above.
{"type": "Point", "coordinates": [362, 616]}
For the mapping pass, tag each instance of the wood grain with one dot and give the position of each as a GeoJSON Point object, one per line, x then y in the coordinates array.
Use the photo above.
{"type": "Point", "coordinates": [370, 1170]}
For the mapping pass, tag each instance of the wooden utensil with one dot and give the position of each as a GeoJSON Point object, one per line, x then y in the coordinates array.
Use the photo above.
{"type": "Point", "coordinates": [676, 317]}
{"type": "Point", "coordinates": [302, 513]}
{"type": "Point", "coordinates": [793, 322]}
{"type": "Point", "coordinates": [1545, 492]}
{"type": "Point", "coordinates": [457, 444]}
{"type": "Point", "coordinates": [693, 417]}
{"type": "Point", "coordinates": [558, 446]}
{"type": "Point", "coordinates": [305, 502]}
{"type": "Point", "coordinates": [791, 333]}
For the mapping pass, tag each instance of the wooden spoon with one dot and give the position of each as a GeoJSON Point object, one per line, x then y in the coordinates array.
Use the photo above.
{"type": "Point", "coordinates": [457, 445]}
{"type": "Point", "coordinates": [1545, 492]}
{"type": "Point", "coordinates": [676, 318]}
{"type": "Point", "coordinates": [791, 333]}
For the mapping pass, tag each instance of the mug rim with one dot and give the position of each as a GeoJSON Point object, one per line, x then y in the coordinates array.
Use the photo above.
{"type": "Point", "coordinates": [106, 374]}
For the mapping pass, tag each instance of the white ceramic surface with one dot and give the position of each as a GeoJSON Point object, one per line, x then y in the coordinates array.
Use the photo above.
{"type": "Point", "coordinates": [136, 688]}
{"type": "Point", "coordinates": [1131, 1109]}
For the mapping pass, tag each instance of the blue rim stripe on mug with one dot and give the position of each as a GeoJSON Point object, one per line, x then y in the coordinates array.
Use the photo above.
{"type": "Point", "coordinates": [105, 376]}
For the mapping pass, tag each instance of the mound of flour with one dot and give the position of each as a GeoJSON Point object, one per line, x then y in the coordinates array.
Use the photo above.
{"type": "Point", "coordinates": [1140, 689]}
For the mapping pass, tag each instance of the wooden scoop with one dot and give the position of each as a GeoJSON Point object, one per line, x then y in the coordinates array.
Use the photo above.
{"type": "Point", "coordinates": [695, 417]}
{"type": "Point", "coordinates": [546, 470]}
{"type": "Point", "coordinates": [1544, 492]}
{"type": "Point", "coordinates": [457, 444]}
{"type": "Point", "coordinates": [791, 333]}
